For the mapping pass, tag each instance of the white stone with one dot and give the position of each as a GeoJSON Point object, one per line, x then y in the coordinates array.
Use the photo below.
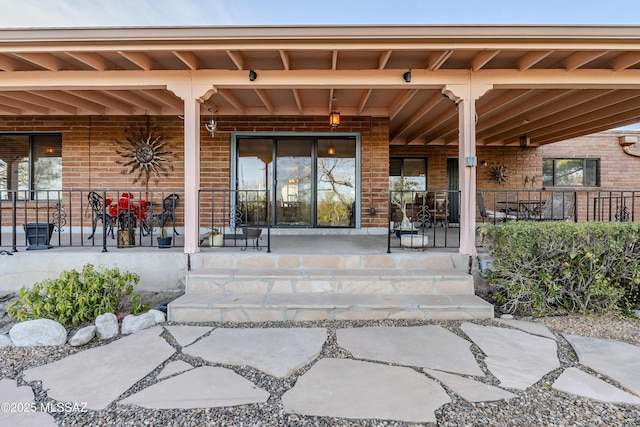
{"type": "Point", "coordinates": [578, 383]}
{"type": "Point", "coordinates": [83, 336]}
{"type": "Point", "coordinates": [11, 393]}
{"type": "Point", "coordinates": [132, 324]}
{"type": "Point", "coordinates": [158, 316]}
{"type": "Point", "coordinates": [470, 390]}
{"type": "Point", "coordinates": [173, 368]}
{"type": "Point", "coordinates": [204, 387]}
{"type": "Point", "coordinates": [530, 327]}
{"type": "Point", "coordinates": [5, 341]}
{"type": "Point", "coordinates": [99, 375]}
{"type": "Point", "coordinates": [617, 360]}
{"type": "Point", "coordinates": [106, 326]}
{"type": "Point", "coordinates": [275, 351]}
{"type": "Point", "coordinates": [636, 313]}
{"type": "Point", "coordinates": [507, 316]}
{"type": "Point", "coordinates": [423, 346]}
{"type": "Point", "coordinates": [186, 335]}
{"type": "Point", "coordinates": [39, 332]}
{"type": "Point", "coordinates": [353, 389]}
{"type": "Point", "coordinates": [516, 358]}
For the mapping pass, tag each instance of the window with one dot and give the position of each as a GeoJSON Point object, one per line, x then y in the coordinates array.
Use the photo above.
{"type": "Point", "coordinates": [30, 163]}
{"type": "Point", "coordinates": [570, 172]}
{"type": "Point", "coordinates": [407, 174]}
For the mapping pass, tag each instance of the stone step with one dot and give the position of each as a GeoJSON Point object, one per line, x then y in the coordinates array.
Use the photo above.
{"type": "Point", "coordinates": [340, 281]}
{"type": "Point", "coordinates": [262, 307]}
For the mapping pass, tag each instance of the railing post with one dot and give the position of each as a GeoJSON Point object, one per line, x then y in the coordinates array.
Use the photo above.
{"type": "Point", "coordinates": [14, 220]}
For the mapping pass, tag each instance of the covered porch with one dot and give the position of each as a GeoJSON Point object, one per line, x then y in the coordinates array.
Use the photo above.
{"type": "Point", "coordinates": [400, 92]}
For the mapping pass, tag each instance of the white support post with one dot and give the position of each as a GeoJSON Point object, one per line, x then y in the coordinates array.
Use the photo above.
{"type": "Point", "coordinates": [465, 97]}
{"type": "Point", "coordinates": [191, 94]}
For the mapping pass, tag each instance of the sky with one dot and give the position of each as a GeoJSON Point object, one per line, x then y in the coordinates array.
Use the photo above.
{"type": "Point", "coordinates": [153, 13]}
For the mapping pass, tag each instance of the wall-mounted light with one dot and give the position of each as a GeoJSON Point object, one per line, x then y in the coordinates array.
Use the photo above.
{"type": "Point", "coordinates": [49, 150]}
{"type": "Point", "coordinates": [331, 150]}
{"type": "Point", "coordinates": [334, 119]}
{"type": "Point", "coordinates": [252, 75]}
{"type": "Point", "coordinates": [484, 163]}
{"type": "Point", "coordinates": [407, 76]}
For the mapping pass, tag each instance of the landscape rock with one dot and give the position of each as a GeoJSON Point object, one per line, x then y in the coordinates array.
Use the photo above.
{"type": "Point", "coordinates": [83, 336]}
{"type": "Point", "coordinates": [5, 341]}
{"type": "Point", "coordinates": [159, 316]}
{"type": "Point", "coordinates": [132, 324]}
{"type": "Point", "coordinates": [38, 332]}
{"type": "Point", "coordinates": [106, 326]}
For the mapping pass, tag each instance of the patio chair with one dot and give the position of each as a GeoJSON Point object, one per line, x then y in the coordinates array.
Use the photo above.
{"type": "Point", "coordinates": [169, 205]}
{"type": "Point", "coordinates": [492, 216]}
{"type": "Point", "coordinates": [558, 206]}
{"type": "Point", "coordinates": [96, 201]}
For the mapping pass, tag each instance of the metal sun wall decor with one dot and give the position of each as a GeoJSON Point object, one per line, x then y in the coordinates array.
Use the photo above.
{"type": "Point", "coordinates": [499, 173]}
{"type": "Point", "coordinates": [146, 152]}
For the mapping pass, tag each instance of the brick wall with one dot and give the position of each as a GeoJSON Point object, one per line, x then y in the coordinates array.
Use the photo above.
{"type": "Point", "coordinates": [618, 171]}
{"type": "Point", "coordinates": [90, 158]}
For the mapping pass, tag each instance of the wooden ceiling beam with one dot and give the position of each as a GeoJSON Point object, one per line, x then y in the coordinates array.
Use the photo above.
{"type": "Point", "coordinates": [140, 60]}
{"type": "Point", "coordinates": [188, 58]}
{"type": "Point", "coordinates": [264, 98]}
{"type": "Point", "coordinates": [134, 98]}
{"type": "Point", "coordinates": [231, 99]}
{"type": "Point", "coordinates": [580, 59]}
{"type": "Point", "coordinates": [530, 59]}
{"type": "Point", "coordinates": [237, 59]}
{"type": "Point", "coordinates": [419, 114]}
{"type": "Point", "coordinates": [92, 60]}
{"type": "Point", "coordinates": [575, 106]}
{"type": "Point", "coordinates": [625, 60]}
{"type": "Point", "coordinates": [482, 58]}
{"type": "Point", "coordinates": [103, 99]}
{"type": "Point", "coordinates": [43, 60]}
{"type": "Point", "coordinates": [26, 107]}
{"type": "Point", "coordinates": [403, 98]}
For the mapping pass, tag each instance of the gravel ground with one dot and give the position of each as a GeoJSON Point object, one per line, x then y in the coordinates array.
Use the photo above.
{"type": "Point", "coordinates": [539, 405]}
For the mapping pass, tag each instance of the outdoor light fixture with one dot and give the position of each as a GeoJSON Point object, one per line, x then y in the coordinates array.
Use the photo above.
{"type": "Point", "coordinates": [334, 119]}
{"type": "Point", "coordinates": [252, 75]}
{"type": "Point", "coordinates": [213, 124]}
{"type": "Point", "coordinates": [525, 141]}
{"type": "Point", "coordinates": [331, 151]}
{"type": "Point", "coordinates": [407, 76]}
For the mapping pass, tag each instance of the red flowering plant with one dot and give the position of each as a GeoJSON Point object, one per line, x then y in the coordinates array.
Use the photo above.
{"type": "Point", "coordinates": [126, 211]}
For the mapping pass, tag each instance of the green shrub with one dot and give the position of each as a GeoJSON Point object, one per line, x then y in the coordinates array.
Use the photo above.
{"type": "Point", "coordinates": [75, 297]}
{"type": "Point", "coordinates": [559, 267]}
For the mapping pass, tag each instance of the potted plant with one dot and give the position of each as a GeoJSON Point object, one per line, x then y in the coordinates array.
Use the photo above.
{"type": "Point", "coordinates": [406, 226]}
{"type": "Point", "coordinates": [216, 238]}
{"type": "Point", "coordinates": [164, 241]}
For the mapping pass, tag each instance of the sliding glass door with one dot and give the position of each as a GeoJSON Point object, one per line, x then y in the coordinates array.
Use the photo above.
{"type": "Point", "coordinates": [312, 181]}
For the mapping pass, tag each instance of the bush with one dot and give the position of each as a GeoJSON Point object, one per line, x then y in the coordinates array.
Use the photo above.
{"type": "Point", "coordinates": [75, 297]}
{"type": "Point", "coordinates": [559, 267]}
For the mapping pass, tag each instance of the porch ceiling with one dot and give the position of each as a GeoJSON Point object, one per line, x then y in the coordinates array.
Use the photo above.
{"type": "Point", "coordinates": [550, 83]}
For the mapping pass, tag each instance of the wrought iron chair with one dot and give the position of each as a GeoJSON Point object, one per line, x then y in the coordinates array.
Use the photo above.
{"type": "Point", "coordinates": [491, 215]}
{"type": "Point", "coordinates": [169, 205]}
{"type": "Point", "coordinates": [96, 201]}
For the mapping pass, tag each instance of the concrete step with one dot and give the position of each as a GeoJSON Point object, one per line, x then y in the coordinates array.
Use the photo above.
{"type": "Point", "coordinates": [340, 281]}
{"type": "Point", "coordinates": [262, 307]}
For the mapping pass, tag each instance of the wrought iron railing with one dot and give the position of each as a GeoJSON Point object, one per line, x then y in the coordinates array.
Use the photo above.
{"type": "Point", "coordinates": [419, 219]}
{"type": "Point", "coordinates": [88, 218]}
{"type": "Point", "coordinates": [558, 204]}
{"type": "Point", "coordinates": [238, 218]}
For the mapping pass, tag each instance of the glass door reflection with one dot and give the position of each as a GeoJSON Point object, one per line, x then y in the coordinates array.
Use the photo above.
{"type": "Point", "coordinates": [294, 185]}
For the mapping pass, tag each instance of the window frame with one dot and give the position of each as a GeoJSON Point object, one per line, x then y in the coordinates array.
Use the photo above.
{"type": "Point", "coordinates": [32, 138]}
{"type": "Point", "coordinates": [585, 161]}
{"type": "Point", "coordinates": [402, 169]}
